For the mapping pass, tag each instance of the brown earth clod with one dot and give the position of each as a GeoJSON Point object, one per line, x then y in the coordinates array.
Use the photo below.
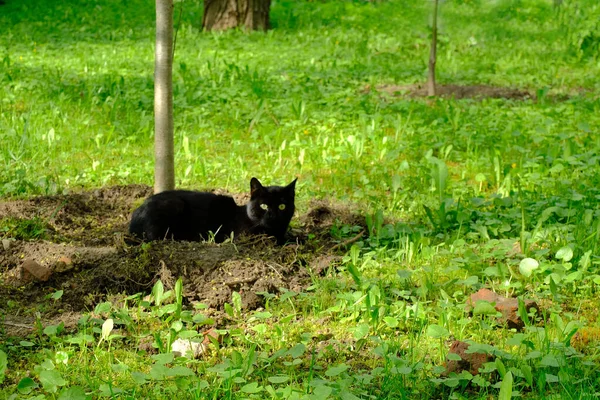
{"type": "Point", "coordinates": [507, 306]}
{"type": "Point", "coordinates": [471, 362]}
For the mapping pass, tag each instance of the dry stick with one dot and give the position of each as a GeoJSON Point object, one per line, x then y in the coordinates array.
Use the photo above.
{"type": "Point", "coordinates": [240, 281]}
{"type": "Point", "coordinates": [349, 241]}
{"type": "Point", "coordinates": [274, 269]}
{"type": "Point", "coordinates": [16, 325]}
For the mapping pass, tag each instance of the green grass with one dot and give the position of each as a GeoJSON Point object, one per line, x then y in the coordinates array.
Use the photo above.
{"type": "Point", "coordinates": [466, 179]}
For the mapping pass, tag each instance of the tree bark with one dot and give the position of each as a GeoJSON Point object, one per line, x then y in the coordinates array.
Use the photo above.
{"type": "Point", "coordinates": [164, 168]}
{"type": "Point", "coordinates": [220, 15]}
{"type": "Point", "coordinates": [432, 52]}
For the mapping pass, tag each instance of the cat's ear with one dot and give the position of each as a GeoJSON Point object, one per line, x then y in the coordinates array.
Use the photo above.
{"type": "Point", "coordinates": [255, 186]}
{"type": "Point", "coordinates": [292, 186]}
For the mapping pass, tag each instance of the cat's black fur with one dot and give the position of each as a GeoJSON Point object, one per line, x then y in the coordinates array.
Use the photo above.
{"type": "Point", "coordinates": [189, 215]}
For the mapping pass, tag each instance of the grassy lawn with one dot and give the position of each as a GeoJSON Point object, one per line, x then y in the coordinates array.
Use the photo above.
{"type": "Point", "coordinates": [457, 194]}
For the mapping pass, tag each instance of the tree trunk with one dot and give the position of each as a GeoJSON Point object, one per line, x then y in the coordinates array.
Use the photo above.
{"type": "Point", "coordinates": [432, 53]}
{"type": "Point", "coordinates": [164, 169]}
{"type": "Point", "coordinates": [220, 15]}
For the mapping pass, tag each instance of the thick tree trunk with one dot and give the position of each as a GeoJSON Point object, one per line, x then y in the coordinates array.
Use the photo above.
{"type": "Point", "coordinates": [432, 53]}
{"type": "Point", "coordinates": [164, 169]}
{"type": "Point", "coordinates": [220, 15]}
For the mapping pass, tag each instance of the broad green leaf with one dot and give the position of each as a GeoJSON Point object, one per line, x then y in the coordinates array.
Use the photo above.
{"type": "Point", "coordinates": [103, 308]}
{"type": "Point", "coordinates": [139, 377]}
{"type": "Point", "coordinates": [278, 379]}
{"type": "Point", "coordinates": [73, 393]}
{"type": "Point", "coordinates": [236, 299]}
{"type": "Point", "coordinates": [451, 382]}
{"type": "Point", "coordinates": [506, 387]}
{"type": "Point", "coordinates": [354, 273]}
{"type": "Point", "coordinates": [3, 365]}
{"type": "Point", "coordinates": [158, 291]}
{"type": "Point", "coordinates": [437, 331]}
{"type": "Point", "coordinates": [159, 372]}
{"type": "Point", "coordinates": [346, 395]}
{"type": "Point", "coordinates": [164, 358]}
{"type": "Point", "coordinates": [404, 273]}
{"type": "Point", "coordinates": [470, 281]}
{"type": "Point", "coordinates": [391, 322]}
{"type": "Point", "coordinates": [322, 391]}
{"type": "Point", "coordinates": [51, 379]}
{"type": "Point", "coordinates": [361, 331]}
{"type": "Point", "coordinates": [51, 330]}
{"type": "Point", "coordinates": [527, 265]}
{"type": "Point", "coordinates": [584, 261]}
{"type": "Point", "coordinates": [565, 254]}
{"type": "Point", "coordinates": [297, 350]}
{"type": "Point", "coordinates": [25, 343]}
{"type": "Point", "coordinates": [527, 374]}
{"type": "Point", "coordinates": [177, 325]}
{"type": "Point", "coordinates": [188, 334]}
{"type": "Point", "coordinates": [500, 367]}
{"type": "Point", "coordinates": [262, 315]}
{"type": "Point", "coordinates": [47, 364]}
{"type": "Point", "coordinates": [404, 370]}
{"type": "Point", "coordinates": [522, 311]}
{"type": "Point", "coordinates": [180, 370]}
{"type": "Point", "coordinates": [251, 387]}
{"type": "Point", "coordinates": [57, 295]}
{"type": "Point", "coordinates": [335, 371]}
{"type": "Point", "coordinates": [202, 319]}
{"type": "Point", "coordinates": [260, 328]}
{"type": "Point", "coordinates": [109, 391]}
{"type": "Point", "coordinates": [228, 309]}
{"type": "Point", "coordinates": [484, 308]}
{"type": "Point", "coordinates": [550, 360]}
{"type": "Point", "coordinates": [26, 385]}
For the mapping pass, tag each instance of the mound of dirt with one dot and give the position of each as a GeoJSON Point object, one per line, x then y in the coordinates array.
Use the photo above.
{"type": "Point", "coordinates": [459, 91]}
{"type": "Point", "coordinates": [84, 255]}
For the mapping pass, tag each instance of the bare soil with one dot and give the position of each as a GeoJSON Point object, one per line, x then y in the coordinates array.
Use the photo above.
{"type": "Point", "coordinates": [84, 250]}
{"type": "Point", "coordinates": [459, 91]}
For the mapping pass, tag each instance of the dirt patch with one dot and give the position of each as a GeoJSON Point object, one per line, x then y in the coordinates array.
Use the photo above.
{"type": "Point", "coordinates": [459, 91]}
{"type": "Point", "coordinates": [85, 256]}
{"type": "Point", "coordinates": [89, 218]}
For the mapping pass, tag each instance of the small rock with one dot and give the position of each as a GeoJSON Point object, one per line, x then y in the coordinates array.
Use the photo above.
{"type": "Point", "coordinates": [212, 333]}
{"type": "Point", "coordinates": [185, 348]}
{"type": "Point", "coordinates": [468, 361]}
{"type": "Point", "coordinates": [39, 272]}
{"type": "Point", "coordinates": [6, 244]}
{"type": "Point", "coordinates": [63, 264]}
{"type": "Point", "coordinates": [482, 295]}
{"type": "Point", "coordinates": [507, 306]}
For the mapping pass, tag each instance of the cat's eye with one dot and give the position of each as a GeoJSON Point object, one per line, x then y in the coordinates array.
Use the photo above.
{"type": "Point", "coordinates": [282, 207]}
{"type": "Point", "coordinates": [264, 206]}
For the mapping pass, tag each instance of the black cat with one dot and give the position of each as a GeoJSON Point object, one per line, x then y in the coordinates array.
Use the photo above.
{"type": "Point", "coordinates": [189, 215]}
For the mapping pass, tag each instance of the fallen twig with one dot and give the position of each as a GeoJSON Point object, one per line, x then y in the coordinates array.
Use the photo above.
{"type": "Point", "coordinates": [349, 241]}
{"type": "Point", "coordinates": [241, 281]}
{"type": "Point", "coordinates": [17, 325]}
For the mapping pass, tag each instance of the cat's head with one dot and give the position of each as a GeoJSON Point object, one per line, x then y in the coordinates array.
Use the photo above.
{"type": "Point", "coordinates": [271, 207]}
